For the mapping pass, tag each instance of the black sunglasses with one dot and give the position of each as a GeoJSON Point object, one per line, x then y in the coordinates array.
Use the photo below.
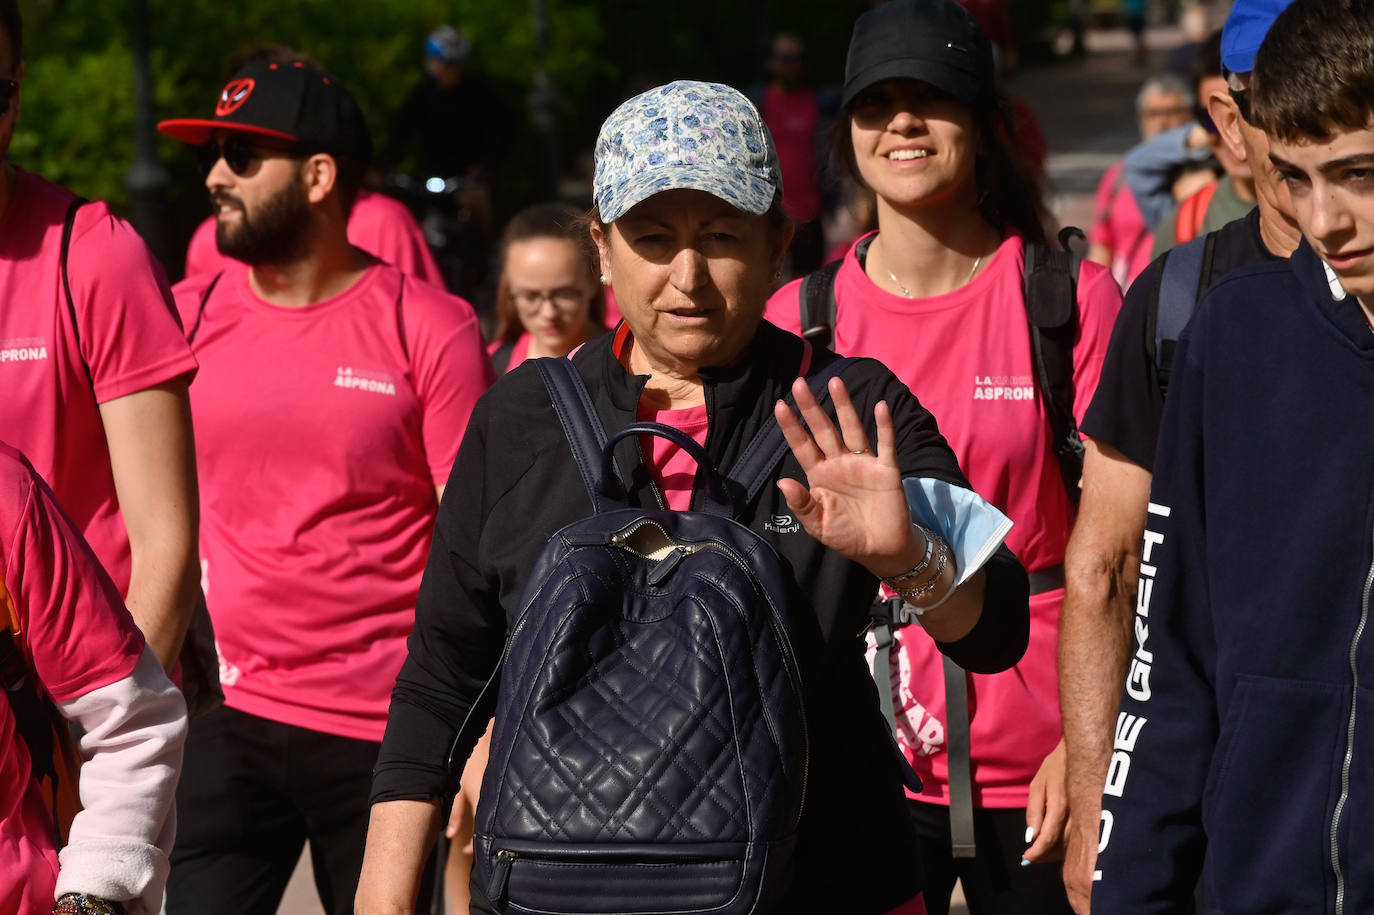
{"type": "Point", "coordinates": [8, 90]}
{"type": "Point", "coordinates": [238, 153]}
{"type": "Point", "coordinates": [1242, 99]}
{"type": "Point", "coordinates": [1204, 117]}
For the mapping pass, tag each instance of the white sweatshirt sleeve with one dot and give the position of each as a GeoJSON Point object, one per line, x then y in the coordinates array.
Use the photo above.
{"type": "Point", "coordinates": [134, 732]}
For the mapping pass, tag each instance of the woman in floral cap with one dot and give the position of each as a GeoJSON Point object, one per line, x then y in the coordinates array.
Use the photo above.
{"type": "Point", "coordinates": [691, 235]}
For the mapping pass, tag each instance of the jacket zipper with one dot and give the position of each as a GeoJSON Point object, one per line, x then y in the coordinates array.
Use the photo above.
{"type": "Point", "coordinates": [1349, 742]}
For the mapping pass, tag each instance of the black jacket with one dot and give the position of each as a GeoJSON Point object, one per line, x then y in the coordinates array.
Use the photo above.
{"type": "Point", "coordinates": [515, 483]}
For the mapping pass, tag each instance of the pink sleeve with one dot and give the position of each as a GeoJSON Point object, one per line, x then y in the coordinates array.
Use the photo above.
{"type": "Point", "coordinates": [783, 309]}
{"type": "Point", "coordinates": [451, 371]}
{"type": "Point", "coordinates": [77, 631]}
{"type": "Point", "coordinates": [130, 334]}
{"type": "Point", "coordinates": [1100, 232]}
{"type": "Point", "coordinates": [1099, 301]}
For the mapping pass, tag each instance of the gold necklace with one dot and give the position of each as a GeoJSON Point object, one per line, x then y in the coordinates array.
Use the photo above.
{"type": "Point", "coordinates": [907, 292]}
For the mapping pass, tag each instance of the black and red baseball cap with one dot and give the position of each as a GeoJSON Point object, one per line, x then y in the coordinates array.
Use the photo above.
{"type": "Point", "coordinates": [286, 101]}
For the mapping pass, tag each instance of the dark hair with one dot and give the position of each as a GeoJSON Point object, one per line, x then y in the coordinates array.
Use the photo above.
{"type": "Point", "coordinates": [1207, 62]}
{"type": "Point", "coordinates": [1314, 74]}
{"type": "Point", "coordinates": [13, 23]}
{"type": "Point", "coordinates": [546, 220]}
{"type": "Point", "coordinates": [1009, 191]}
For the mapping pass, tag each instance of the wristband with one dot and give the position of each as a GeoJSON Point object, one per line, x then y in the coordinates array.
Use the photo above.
{"type": "Point", "coordinates": [893, 581]}
{"type": "Point", "coordinates": [83, 904]}
{"type": "Point", "coordinates": [912, 596]}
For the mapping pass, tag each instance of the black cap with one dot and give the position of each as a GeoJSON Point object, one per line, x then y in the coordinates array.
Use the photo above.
{"type": "Point", "coordinates": [936, 41]}
{"type": "Point", "coordinates": [286, 101]}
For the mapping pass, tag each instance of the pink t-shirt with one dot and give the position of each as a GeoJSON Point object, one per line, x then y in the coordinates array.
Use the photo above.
{"type": "Point", "coordinates": [793, 116]}
{"type": "Point", "coordinates": [966, 356]}
{"type": "Point", "coordinates": [1118, 224]}
{"type": "Point", "coordinates": [128, 334]}
{"type": "Point", "coordinates": [321, 434]}
{"type": "Point", "coordinates": [519, 351]}
{"type": "Point", "coordinates": [58, 589]}
{"type": "Point", "coordinates": [673, 469]}
{"type": "Point", "coordinates": [380, 225]}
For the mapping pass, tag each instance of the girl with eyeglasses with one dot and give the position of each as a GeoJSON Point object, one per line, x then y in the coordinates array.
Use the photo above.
{"type": "Point", "coordinates": [549, 300]}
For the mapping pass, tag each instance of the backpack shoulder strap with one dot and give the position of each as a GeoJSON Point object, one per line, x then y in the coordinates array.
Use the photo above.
{"type": "Point", "coordinates": [755, 465]}
{"type": "Point", "coordinates": [500, 360]}
{"type": "Point", "coordinates": [1051, 291]}
{"type": "Point", "coordinates": [200, 309]}
{"type": "Point", "coordinates": [581, 425]}
{"type": "Point", "coordinates": [816, 299]}
{"type": "Point", "coordinates": [1174, 300]}
{"type": "Point", "coordinates": [68, 223]}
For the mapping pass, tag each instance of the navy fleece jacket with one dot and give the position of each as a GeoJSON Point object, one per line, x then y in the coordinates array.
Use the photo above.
{"type": "Point", "coordinates": [1247, 726]}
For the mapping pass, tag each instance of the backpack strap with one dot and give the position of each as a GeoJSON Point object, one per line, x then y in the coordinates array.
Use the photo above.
{"type": "Point", "coordinates": [68, 223]}
{"type": "Point", "coordinates": [1051, 277]}
{"type": "Point", "coordinates": [1175, 298]}
{"type": "Point", "coordinates": [500, 360]}
{"type": "Point", "coordinates": [200, 309]}
{"type": "Point", "coordinates": [816, 299]}
{"type": "Point", "coordinates": [581, 424]}
{"type": "Point", "coordinates": [754, 467]}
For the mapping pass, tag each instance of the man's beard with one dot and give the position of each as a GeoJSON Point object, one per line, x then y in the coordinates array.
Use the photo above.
{"type": "Point", "coordinates": [275, 234]}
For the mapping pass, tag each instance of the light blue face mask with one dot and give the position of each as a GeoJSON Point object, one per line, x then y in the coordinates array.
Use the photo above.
{"type": "Point", "coordinates": [968, 523]}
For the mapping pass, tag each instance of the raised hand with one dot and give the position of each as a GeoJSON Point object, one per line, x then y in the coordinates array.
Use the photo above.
{"type": "Point", "coordinates": [853, 501]}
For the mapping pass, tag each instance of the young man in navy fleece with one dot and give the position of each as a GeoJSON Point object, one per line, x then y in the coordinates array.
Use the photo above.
{"type": "Point", "coordinates": [1245, 731]}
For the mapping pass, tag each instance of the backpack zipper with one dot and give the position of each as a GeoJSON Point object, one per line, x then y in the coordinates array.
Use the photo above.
{"type": "Point", "coordinates": [1349, 741]}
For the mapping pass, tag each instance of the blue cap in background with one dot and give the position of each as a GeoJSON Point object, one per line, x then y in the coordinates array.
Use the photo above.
{"type": "Point", "coordinates": [1244, 31]}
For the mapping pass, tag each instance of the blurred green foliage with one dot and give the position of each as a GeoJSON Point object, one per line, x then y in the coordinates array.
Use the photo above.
{"type": "Point", "coordinates": [78, 107]}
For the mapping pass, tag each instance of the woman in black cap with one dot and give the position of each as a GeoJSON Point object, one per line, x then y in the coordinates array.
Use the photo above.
{"type": "Point", "coordinates": [938, 294]}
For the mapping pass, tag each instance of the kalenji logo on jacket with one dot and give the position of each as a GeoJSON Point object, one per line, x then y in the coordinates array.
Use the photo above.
{"type": "Point", "coordinates": [1003, 387]}
{"type": "Point", "coordinates": [23, 349]}
{"type": "Point", "coordinates": [372, 382]}
{"type": "Point", "coordinates": [782, 524]}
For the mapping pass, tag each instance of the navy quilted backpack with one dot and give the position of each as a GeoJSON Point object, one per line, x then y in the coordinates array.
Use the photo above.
{"type": "Point", "coordinates": [650, 748]}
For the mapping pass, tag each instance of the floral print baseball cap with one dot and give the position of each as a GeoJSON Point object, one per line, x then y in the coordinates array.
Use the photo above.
{"type": "Point", "coordinates": [702, 136]}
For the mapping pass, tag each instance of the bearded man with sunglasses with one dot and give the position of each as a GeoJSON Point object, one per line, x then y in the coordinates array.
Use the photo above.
{"type": "Point", "coordinates": [94, 372]}
{"type": "Point", "coordinates": [333, 393]}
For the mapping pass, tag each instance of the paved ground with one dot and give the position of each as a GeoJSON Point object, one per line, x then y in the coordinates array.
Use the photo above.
{"type": "Point", "coordinates": [1086, 110]}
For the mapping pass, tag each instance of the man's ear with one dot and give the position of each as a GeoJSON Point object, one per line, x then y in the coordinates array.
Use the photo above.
{"type": "Point", "coordinates": [1226, 116]}
{"type": "Point", "coordinates": [320, 173]}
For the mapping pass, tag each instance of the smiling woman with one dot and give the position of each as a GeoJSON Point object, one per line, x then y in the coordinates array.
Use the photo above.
{"type": "Point", "coordinates": [690, 235]}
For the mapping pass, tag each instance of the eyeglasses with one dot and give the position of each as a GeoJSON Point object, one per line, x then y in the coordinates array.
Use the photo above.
{"type": "Point", "coordinates": [1242, 99]}
{"type": "Point", "coordinates": [239, 154]}
{"type": "Point", "coordinates": [9, 88]}
{"type": "Point", "coordinates": [566, 299]}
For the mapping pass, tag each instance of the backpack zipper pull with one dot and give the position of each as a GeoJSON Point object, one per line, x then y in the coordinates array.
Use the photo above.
{"type": "Point", "coordinates": [500, 877]}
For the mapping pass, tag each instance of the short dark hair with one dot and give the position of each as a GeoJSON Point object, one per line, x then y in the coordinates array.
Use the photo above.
{"type": "Point", "coordinates": [558, 221]}
{"type": "Point", "coordinates": [13, 23]}
{"type": "Point", "coordinates": [1314, 74]}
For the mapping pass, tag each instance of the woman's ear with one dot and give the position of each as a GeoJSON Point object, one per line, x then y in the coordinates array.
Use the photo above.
{"type": "Point", "coordinates": [782, 238]}
{"type": "Point", "coordinates": [601, 236]}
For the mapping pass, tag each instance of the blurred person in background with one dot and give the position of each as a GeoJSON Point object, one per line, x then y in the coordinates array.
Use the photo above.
{"type": "Point", "coordinates": [1118, 237]}
{"type": "Point", "coordinates": [549, 299]}
{"type": "Point", "coordinates": [937, 294]}
{"type": "Point", "coordinates": [796, 117]}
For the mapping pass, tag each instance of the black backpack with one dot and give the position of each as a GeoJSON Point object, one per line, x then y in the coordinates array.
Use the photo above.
{"type": "Point", "coordinates": [650, 752]}
{"type": "Point", "coordinates": [1051, 309]}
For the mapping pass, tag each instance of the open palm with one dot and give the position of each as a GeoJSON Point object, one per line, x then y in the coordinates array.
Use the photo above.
{"type": "Point", "coordinates": [853, 500]}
